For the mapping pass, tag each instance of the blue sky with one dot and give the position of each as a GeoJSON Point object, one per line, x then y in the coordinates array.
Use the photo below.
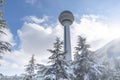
{"type": "Point", "coordinates": [34, 24]}
{"type": "Point", "coordinates": [15, 10]}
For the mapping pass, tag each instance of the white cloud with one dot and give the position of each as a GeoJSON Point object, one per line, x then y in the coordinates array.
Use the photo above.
{"type": "Point", "coordinates": [36, 39]}
{"type": "Point", "coordinates": [34, 19]}
{"type": "Point", "coordinates": [31, 1]}
{"type": "Point", "coordinates": [96, 32]}
{"type": "Point", "coordinates": [8, 37]}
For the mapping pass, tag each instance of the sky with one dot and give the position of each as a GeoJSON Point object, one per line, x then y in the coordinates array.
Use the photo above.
{"type": "Point", "coordinates": [33, 27]}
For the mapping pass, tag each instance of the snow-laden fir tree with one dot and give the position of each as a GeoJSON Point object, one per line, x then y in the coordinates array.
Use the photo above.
{"type": "Point", "coordinates": [41, 69]}
{"type": "Point", "coordinates": [30, 69]}
{"type": "Point", "coordinates": [112, 70]}
{"type": "Point", "coordinates": [1, 76]}
{"type": "Point", "coordinates": [116, 70]}
{"type": "Point", "coordinates": [85, 65]}
{"type": "Point", "coordinates": [59, 68]}
{"type": "Point", "coordinates": [108, 70]}
{"type": "Point", "coordinates": [4, 46]}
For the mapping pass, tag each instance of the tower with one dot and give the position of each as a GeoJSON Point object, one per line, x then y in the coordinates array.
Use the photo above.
{"type": "Point", "coordinates": [66, 18]}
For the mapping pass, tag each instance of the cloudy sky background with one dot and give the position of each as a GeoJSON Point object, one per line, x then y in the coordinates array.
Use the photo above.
{"type": "Point", "coordinates": [34, 26]}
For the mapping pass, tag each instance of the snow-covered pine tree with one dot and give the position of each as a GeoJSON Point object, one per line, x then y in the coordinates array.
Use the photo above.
{"type": "Point", "coordinates": [1, 76]}
{"type": "Point", "coordinates": [108, 70]}
{"type": "Point", "coordinates": [41, 70]}
{"type": "Point", "coordinates": [85, 65]}
{"type": "Point", "coordinates": [58, 70]}
{"type": "Point", "coordinates": [30, 69]}
{"type": "Point", "coordinates": [112, 70]}
{"type": "Point", "coordinates": [116, 70]}
{"type": "Point", "coordinates": [4, 46]}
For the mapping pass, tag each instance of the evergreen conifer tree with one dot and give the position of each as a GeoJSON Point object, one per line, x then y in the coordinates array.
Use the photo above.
{"type": "Point", "coordinates": [85, 65]}
{"type": "Point", "coordinates": [58, 70]}
{"type": "Point", "coordinates": [30, 69]}
{"type": "Point", "coordinates": [4, 46]}
{"type": "Point", "coordinates": [116, 70]}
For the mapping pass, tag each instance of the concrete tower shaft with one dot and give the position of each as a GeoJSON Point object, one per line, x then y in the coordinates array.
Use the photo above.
{"type": "Point", "coordinates": [66, 18]}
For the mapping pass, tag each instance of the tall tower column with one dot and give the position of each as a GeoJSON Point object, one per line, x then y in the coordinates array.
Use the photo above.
{"type": "Point", "coordinates": [66, 19]}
